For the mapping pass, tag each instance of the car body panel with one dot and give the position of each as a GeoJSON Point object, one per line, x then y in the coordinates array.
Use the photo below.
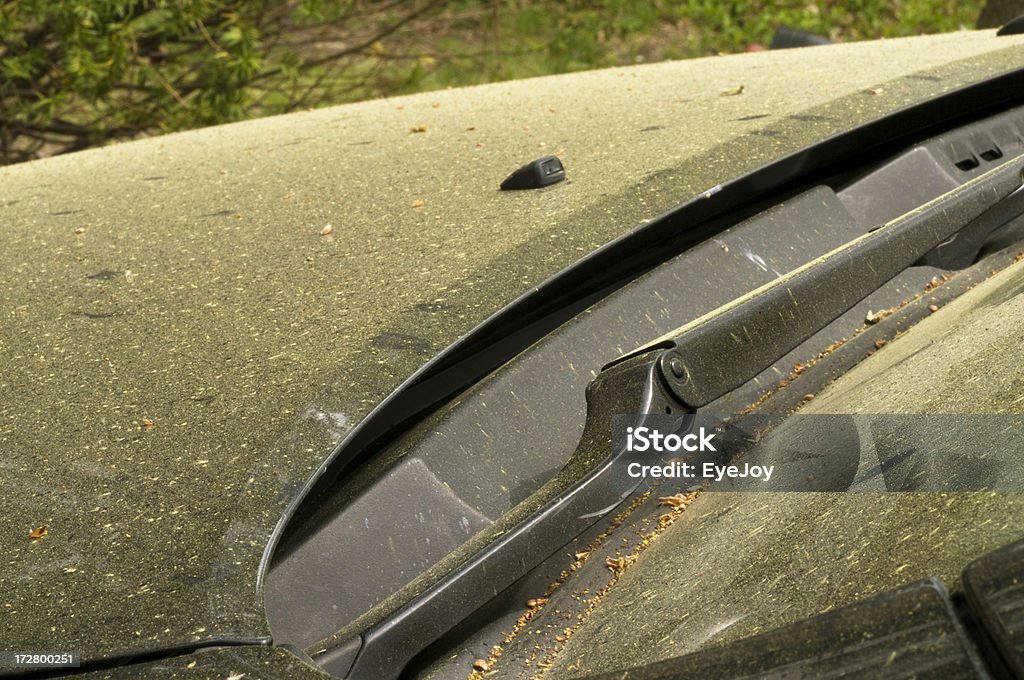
{"type": "Point", "coordinates": [186, 342]}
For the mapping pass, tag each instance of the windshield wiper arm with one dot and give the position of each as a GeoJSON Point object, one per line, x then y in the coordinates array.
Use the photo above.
{"type": "Point", "coordinates": [724, 349]}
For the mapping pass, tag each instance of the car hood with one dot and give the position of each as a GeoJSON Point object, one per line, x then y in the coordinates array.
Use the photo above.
{"type": "Point", "coordinates": [192, 323]}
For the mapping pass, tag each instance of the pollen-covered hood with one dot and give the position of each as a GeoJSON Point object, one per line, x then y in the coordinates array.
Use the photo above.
{"type": "Point", "coordinates": [192, 323]}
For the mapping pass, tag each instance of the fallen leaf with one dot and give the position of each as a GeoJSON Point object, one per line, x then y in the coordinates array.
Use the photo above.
{"type": "Point", "coordinates": [418, 203]}
{"type": "Point", "coordinates": [731, 92]}
{"type": "Point", "coordinates": [419, 128]}
{"type": "Point", "coordinates": [148, 422]}
{"type": "Point", "coordinates": [39, 532]}
{"type": "Point", "coordinates": [327, 230]}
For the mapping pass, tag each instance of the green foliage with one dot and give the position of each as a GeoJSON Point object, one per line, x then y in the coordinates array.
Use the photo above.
{"type": "Point", "coordinates": [75, 73]}
{"type": "Point", "coordinates": [476, 41]}
{"type": "Point", "coordinates": [542, 37]}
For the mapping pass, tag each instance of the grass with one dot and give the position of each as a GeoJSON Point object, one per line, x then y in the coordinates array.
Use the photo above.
{"type": "Point", "coordinates": [477, 41]}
